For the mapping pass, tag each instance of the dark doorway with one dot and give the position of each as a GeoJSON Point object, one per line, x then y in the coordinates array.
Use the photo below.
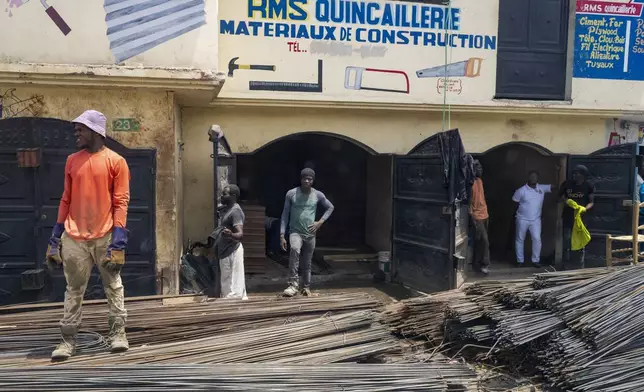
{"type": "Point", "coordinates": [612, 171]}
{"type": "Point", "coordinates": [29, 198]}
{"type": "Point", "coordinates": [341, 174]}
{"type": "Point", "coordinates": [505, 169]}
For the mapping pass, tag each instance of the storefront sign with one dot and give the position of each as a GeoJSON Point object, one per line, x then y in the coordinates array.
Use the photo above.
{"type": "Point", "coordinates": [365, 50]}
{"type": "Point", "coordinates": [609, 40]}
{"type": "Point", "coordinates": [357, 21]}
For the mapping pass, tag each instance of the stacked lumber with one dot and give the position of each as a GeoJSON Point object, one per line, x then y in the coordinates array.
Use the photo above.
{"type": "Point", "coordinates": [346, 260]}
{"type": "Point", "coordinates": [254, 242]}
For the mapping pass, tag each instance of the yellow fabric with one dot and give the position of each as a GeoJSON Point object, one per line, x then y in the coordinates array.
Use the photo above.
{"type": "Point", "coordinates": [580, 236]}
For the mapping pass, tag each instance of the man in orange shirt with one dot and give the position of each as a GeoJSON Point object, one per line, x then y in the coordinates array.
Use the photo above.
{"type": "Point", "coordinates": [478, 212]}
{"type": "Point", "coordinates": [91, 230]}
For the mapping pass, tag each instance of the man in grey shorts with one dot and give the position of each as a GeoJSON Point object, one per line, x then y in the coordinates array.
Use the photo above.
{"type": "Point", "coordinates": [300, 207]}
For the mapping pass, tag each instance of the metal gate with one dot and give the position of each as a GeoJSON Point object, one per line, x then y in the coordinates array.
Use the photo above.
{"type": "Point", "coordinates": [426, 221]}
{"type": "Point", "coordinates": [29, 198]}
{"type": "Point", "coordinates": [612, 170]}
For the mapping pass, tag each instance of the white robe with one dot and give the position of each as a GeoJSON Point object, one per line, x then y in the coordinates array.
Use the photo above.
{"type": "Point", "coordinates": [233, 283]}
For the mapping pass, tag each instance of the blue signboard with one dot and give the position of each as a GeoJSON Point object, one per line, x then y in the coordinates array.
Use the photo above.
{"type": "Point", "coordinates": [609, 40]}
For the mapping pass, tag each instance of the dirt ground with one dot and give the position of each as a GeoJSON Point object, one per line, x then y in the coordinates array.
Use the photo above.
{"type": "Point", "coordinates": [384, 292]}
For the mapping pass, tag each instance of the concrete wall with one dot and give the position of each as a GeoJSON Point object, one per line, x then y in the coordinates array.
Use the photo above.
{"type": "Point", "coordinates": [34, 38]}
{"type": "Point", "coordinates": [248, 128]}
{"type": "Point", "coordinates": [156, 113]}
{"type": "Point", "coordinates": [379, 202]}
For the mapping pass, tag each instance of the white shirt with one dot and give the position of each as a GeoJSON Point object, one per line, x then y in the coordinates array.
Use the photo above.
{"type": "Point", "coordinates": [638, 183]}
{"type": "Point", "coordinates": [530, 201]}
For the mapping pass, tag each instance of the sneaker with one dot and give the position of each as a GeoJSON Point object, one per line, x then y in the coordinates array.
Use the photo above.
{"type": "Point", "coordinates": [306, 292]}
{"type": "Point", "coordinates": [290, 291]}
{"type": "Point", "coordinates": [64, 350]}
{"type": "Point", "coordinates": [536, 265]}
{"type": "Point", "coordinates": [485, 270]}
{"type": "Point", "coordinates": [520, 265]}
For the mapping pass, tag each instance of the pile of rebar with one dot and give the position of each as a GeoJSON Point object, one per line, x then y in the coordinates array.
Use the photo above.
{"type": "Point", "coordinates": [581, 329]}
{"type": "Point", "coordinates": [153, 322]}
{"type": "Point", "coordinates": [436, 377]}
{"type": "Point", "coordinates": [326, 339]}
{"type": "Point", "coordinates": [314, 330]}
{"type": "Point", "coordinates": [420, 316]}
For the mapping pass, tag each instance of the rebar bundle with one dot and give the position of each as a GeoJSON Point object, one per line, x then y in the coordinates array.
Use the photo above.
{"type": "Point", "coordinates": [152, 322]}
{"type": "Point", "coordinates": [455, 331]}
{"type": "Point", "coordinates": [518, 327]}
{"type": "Point", "coordinates": [420, 317]}
{"type": "Point", "coordinates": [43, 342]}
{"type": "Point", "coordinates": [491, 286]}
{"type": "Point", "coordinates": [464, 310]}
{"type": "Point", "coordinates": [434, 377]}
{"type": "Point", "coordinates": [327, 339]}
{"type": "Point", "coordinates": [562, 278]}
{"type": "Point", "coordinates": [581, 329]}
{"type": "Point", "coordinates": [518, 295]}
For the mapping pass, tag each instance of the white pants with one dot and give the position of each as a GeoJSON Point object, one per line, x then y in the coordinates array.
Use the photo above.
{"type": "Point", "coordinates": [523, 226]}
{"type": "Point", "coordinates": [233, 282]}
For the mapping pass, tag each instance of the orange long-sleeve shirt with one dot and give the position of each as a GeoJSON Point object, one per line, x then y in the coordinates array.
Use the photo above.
{"type": "Point", "coordinates": [96, 195]}
{"type": "Point", "coordinates": [479, 205]}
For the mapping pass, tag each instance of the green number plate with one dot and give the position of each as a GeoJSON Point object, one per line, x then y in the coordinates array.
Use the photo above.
{"type": "Point", "coordinates": [126, 125]}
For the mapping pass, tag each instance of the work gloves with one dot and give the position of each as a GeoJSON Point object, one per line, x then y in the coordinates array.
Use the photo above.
{"type": "Point", "coordinates": [52, 257]}
{"type": "Point", "coordinates": [115, 257]}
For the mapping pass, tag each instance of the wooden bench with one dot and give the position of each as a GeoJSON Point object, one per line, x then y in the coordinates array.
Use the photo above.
{"type": "Point", "coordinates": [635, 239]}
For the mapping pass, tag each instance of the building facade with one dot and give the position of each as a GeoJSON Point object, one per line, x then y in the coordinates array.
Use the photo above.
{"type": "Point", "coordinates": [344, 86]}
{"type": "Point", "coordinates": [137, 62]}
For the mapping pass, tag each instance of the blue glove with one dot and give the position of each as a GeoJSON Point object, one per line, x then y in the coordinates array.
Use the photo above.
{"type": "Point", "coordinates": [53, 246]}
{"type": "Point", "coordinates": [115, 257]}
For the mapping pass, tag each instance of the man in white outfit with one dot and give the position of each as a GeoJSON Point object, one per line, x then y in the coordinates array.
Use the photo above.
{"type": "Point", "coordinates": [530, 198]}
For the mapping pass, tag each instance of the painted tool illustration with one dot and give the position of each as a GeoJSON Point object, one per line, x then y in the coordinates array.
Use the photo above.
{"type": "Point", "coordinates": [354, 79]}
{"type": "Point", "coordinates": [53, 15]}
{"type": "Point", "coordinates": [468, 69]}
{"type": "Point", "coordinates": [297, 87]}
{"type": "Point", "coordinates": [232, 67]}
{"type": "Point", "coordinates": [136, 26]}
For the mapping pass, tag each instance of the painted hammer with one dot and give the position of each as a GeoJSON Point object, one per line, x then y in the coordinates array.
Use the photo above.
{"type": "Point", "coordinates": [232, 67]}
{"type": "Point", "coordinates": [54, 16]}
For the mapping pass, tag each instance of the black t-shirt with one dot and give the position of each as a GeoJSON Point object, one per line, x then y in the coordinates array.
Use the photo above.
{"type": "Point", "coordinates": [231, 217]}
{"type": "Point", "coordinates": [579, 193]}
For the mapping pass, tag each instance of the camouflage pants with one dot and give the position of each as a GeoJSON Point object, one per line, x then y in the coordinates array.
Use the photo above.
{"type": "Point", "coordinates": [79, 258]}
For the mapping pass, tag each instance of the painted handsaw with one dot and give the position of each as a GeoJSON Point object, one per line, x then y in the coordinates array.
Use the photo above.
{"type": "Point", "coordinates": [463, 69]}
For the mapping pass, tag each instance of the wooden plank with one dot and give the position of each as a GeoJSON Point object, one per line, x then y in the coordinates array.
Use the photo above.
{"type": "Point", "coordinates": [351, 257]}
{"type": "Point", "coordinates": [332, 249]}
{"type": "Point", "coordinates": [50, 305]}
{"type": "Point", "coordinates": [184, 300]}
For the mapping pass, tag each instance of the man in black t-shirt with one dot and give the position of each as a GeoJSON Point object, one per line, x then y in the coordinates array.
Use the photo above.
{"type": "Point", "coordinates": [582, 192]}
